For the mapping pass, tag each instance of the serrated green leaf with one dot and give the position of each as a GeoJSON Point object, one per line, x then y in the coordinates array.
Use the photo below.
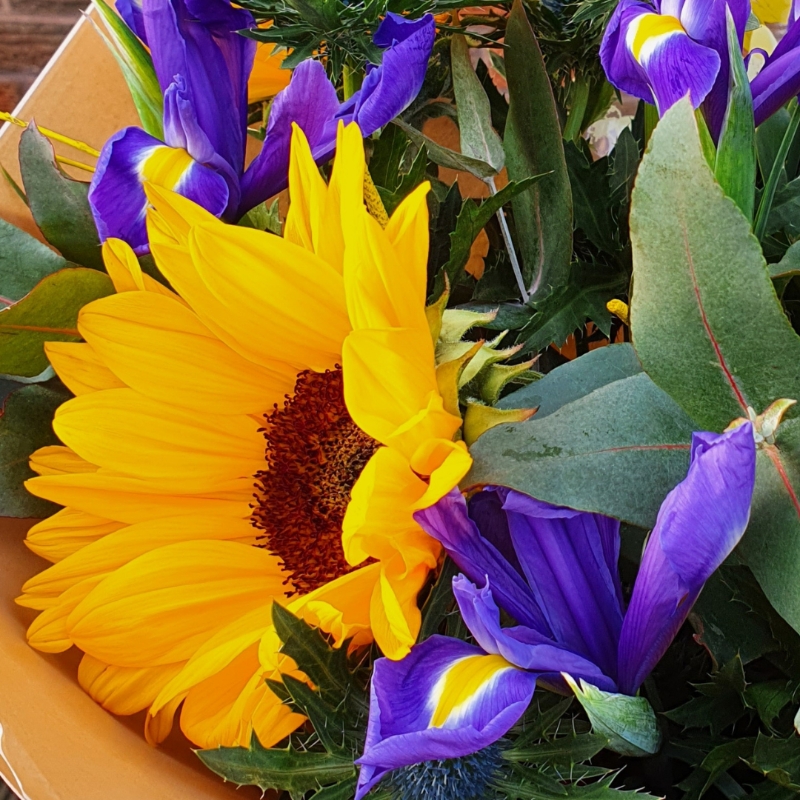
{"type": "Point", "coordinates": [778, 760]}
{"type": "Point", "coordinates": [137, 69]}
{"type": "Point", "coordinates": [564, 751]}
{"type": "Point", "coordinates": [25, 426]}
{"type": "Point", "coordinates": [735, 167]}
{"type": "Point", "coordinates": [328, 723]}
{"type": "Point", "coordinates": [472, 219]}
{"type": "Point", "coordinates": [444, 156]}
{"type": "Point", "coordinates": [770, 698]}
{"type": "Point", "coordinates": [478, 138]}
{"type": "Point", "coordinates": [564, 311]}
{"type": "Point", "coordinates": [339, 791]}
{"type": "Point", "coordinates": [536, 722]}
{"type": "Point", "coordinates": [722, 758]}
{"type": "Point", "coordinates": [59, 204]}
{"type": "Point", "coordinates": [24, 261]}
{"type": "Point", "coordinates": [533, 146]}
{"type": "Point", "coordinates": [49, 313]}
{"type": "Point", "coordinates": [325, 666]}
{"type": "Point", "coordinates": [591, 197]}
{"type": "Point", "coordinates": [628, 427]}
{"type": "Point", "coordinates": [291, 770]}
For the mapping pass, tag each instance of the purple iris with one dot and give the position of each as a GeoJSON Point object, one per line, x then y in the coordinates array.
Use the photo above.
{"type": "Point", "coordinates": [554, 571]}
{"type": "Point", "coordinates": [659, 53]}
{"type": "Point", "coordinates": [203, 65]}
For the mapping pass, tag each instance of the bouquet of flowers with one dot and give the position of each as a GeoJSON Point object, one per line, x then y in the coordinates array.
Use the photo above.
{"type": "Point", "coordinates": [408, 404]}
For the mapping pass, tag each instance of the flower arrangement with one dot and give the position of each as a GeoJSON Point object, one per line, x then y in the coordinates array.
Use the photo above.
{"type": "Point", "coordinates": [403, 419]}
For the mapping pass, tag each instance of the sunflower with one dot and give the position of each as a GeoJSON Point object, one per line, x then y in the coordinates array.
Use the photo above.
{"type": "Point", "coordinates": [262, 434]}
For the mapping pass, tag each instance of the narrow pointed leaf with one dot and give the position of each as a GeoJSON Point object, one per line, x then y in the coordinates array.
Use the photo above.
{"type": "Point", "coordinates": [137, 69]}
{"type": "Point", "coordinates": [478, 137]}
{"type": "Point", "coordinates": [533, 145]}
{"type": "Point", "coordinates": [735, 168]}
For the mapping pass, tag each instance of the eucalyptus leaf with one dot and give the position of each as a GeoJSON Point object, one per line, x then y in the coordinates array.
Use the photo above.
{"type": "Point", "coordinates": [48, 313]}
{"type": "Point", "coordinates": [699, 270]}
{"type": "Point", "coordinates": [59, 204]}
{"type": "Point", "coordinates": [533, 146]}
{"type": "Point", "coordinates": [478, 138]}
{"type": "Point", "coordinates": [575, 379]}
{"type": "Point", "coordinates": [25, 426]}
{"type": "Point", "coordinates": [584, 454]}
{"type": "Point", "coordinates": [788, 266]}
{"type": "Point", "coordinates": [24, 261]}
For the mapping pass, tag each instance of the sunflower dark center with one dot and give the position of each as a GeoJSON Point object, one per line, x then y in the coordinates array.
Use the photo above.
{"type": "Point", "coordinates": [315, 453]}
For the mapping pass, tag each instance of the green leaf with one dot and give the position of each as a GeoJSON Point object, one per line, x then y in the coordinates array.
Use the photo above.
{"type": "Point", "coordinates": [439, 602]}
{"type": "Point", "coordinates": [137, 68]}
{"type": "Point", "coordinates": [722, 758]}
{"type": "Point", "coordinates": [24, 261]}
{"type": "Point", "coordinates": [407, 182]}
{"type": "Point", "coordinates": [48, 313]}
{"type": "Point", "coordinates": [533, 145]}
{"type": "Point", "coordinates": [564, 751]}
{"type": "Point", "coordinates": [628, 723]}
{"type": "Point", "coordinates": [291, 770]}
{"type": "Point", "coordinates": [478, 138]}
{"type": "Point", "coordinates": [591, 197]}
{"type": "Point", "coordinates": [325, 666]}
{"type": "Point", "coordinates": [565, 310]}
{"type": "Point", "coordinates": [788, 266]}
{"type": "Point", "coordinates": [779, 760]}
{"type": "Point", "coordinates": [537, 721]}
{"type": "Point", "coordinates": [472, 219]}
{"type": "Point", "coordinates": [25, 426]}
{"type": "Point", "coordinates": [263, 218]}
{"type": "Point", "coordinates": [444, 156]}
{"type": "Point", "coordinates": [735, 168]}
{"type": "Point", "coordinates": [770, 698]}
{"type": "Point", "coordinates": [575, 379]}
{"type": "Point", "coordinates": [769, 136]}
{"type": "Point", "coordinates": [59, 204]}
{"type": "Point", "coordinates": [699, 270]}
{"type": "Point", "coordinates": [345, 790]}
{"type": "Point", "coordinates": [720, 703]}
{"type": "Point", "coordinates": [584, 454]}
{"type": "Point", "coordinates": [785, 212]}
{"type": "Point", "coordinates": [623, 162]}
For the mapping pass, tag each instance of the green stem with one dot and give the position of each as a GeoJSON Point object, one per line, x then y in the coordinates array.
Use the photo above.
{"type": "Point", "coordinates": [650, 121]}
{"type": "Point", "coordinates": [349, 80]}
{"type": "Point", "coordinates": [580, 99]}
{"type": "Point", "coordinates": [765, 206]}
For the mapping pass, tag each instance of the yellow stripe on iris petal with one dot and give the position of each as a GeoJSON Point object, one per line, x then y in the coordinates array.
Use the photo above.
{"type": "Point", "coordinates": [648, 27]}
{"type": "Point", "coordinates": [772, 11]}
{"type": "Point", "coordinates": [166, 166]}
{"type": "Point", "coordinates": [463, 683]}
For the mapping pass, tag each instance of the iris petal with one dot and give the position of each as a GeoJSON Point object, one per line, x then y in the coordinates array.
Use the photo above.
{"type": "Point", "coordinates": [445, 700]}
{"type": "Point", "coordinates": [699, 524]}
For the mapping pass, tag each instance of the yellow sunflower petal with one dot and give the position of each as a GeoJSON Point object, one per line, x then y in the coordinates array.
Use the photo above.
{"type": "Point", "coordinates": [118, 548]}
{"type": "Point", "coordinates": [409, 234]}
{"type": "Point", "coordinates": [430, 423]}
{"type": "Point", "coordinates": [394, 611]}
{"type": "Point", "coordinates": [66, 532]}
{"type": "Point", "coordinates": [123, 690]}
{"type": "Point", "coordinates": [308, 193]}
{"type": "Point", "coordinates": [80, 367]}
{"type": "Point", "coordinates": [162, 606]}
{"type": "Point", "coordinates": [56, 459]}
{"type": "Point", "coordinates": [130, 500]}
{"type": "Point", "coordinates": [388, 378]}
{"type": "Point", "coordinates": [382, 290]}
{"type": "Point", "coordinates": [161, 349]}
{"type": "Point", "coordinates": [48, 632]}
{"type": "Point", "coordinates": [263, 279]}
{"type": "Point", "coordinates": [446, 463]}
{"type": "Point", "coordinates": [381, 507]}
{"type": "Point", "coordinates": [124, 431]}
{"type": "Point", "coordinates": [125, 271]}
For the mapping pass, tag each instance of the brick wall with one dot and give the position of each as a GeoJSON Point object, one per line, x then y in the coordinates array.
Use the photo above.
{"type": "Point", "coordinates": [30, 32]}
